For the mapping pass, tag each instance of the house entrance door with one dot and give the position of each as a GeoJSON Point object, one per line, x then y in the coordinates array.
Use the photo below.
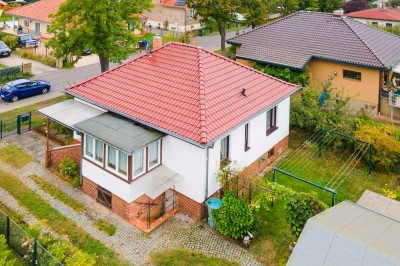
{"type": "Point", "coordinates": [37, 28]}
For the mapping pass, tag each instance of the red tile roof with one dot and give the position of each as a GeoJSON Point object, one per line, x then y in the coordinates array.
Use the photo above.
{"type": "Point", "coordinates": [184, 90]}
{"type": "Point", "coordinates": [391, 14]}
{"type": "Point", "coordinates": [39, 10]}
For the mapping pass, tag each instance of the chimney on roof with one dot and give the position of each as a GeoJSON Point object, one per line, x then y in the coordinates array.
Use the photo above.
{"type": "Point", "coordinates": [338, 13]}
{"type": "Point", "coordinates": [383, 5]}
{"type": "Point", "coordinates": [157, 42]}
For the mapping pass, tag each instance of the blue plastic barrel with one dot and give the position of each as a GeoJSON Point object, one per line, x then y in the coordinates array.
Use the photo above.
{"type": "Point", "coordinates": [212, 204]}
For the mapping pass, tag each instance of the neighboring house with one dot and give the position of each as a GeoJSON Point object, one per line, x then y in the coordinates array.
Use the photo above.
{"type": "Point", "coordinates": [383, 16]}
{"type": "Point", "coordinates": [380, 204]}
{"type": "Point", "coordinates": [180, 18]}
{"type": "Point", "coordinates": [348, 234]}
{"type": "Point", "coordinates": [34, 18]}
{"type": "Point", "coordinates": [362, 59]}
{"type": "Point", "coordinates": [163, 124]}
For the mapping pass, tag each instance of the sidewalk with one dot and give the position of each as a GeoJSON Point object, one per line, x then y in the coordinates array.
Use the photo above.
{"type": "Point", "coordinates": [177, 232]}
{"type": "Point", "coordinates": [37, 68]}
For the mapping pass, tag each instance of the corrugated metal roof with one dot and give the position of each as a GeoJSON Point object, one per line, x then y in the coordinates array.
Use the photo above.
{"type": "Point", "coordinates": [118, 132]}
{"type": "Point", "coordinates": [348, 234]}
{"type": "Point", "coordinates": [184, 90]}
{"type": "Point", "coordinates": [293, 40]}
{"type": "Point", "coordinates": [70, 112]}
{"type": "Point", "coordinates": [381, 204]}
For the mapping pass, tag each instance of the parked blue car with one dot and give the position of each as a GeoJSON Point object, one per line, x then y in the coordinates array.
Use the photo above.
{"type": "Point", "coordinates": [22, 88]}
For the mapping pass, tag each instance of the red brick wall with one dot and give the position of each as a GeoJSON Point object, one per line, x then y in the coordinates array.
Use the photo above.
{"type": "Point", "coordinates": [119, 206]}
{"type": "Point", "coordinates": [257, 166]}
{"type": "Point", "coordinates": [58, 154]}
{"type": "Point", "coordinates": [193, 209]}
{"type": "Point", "coordinates": [89, 187]}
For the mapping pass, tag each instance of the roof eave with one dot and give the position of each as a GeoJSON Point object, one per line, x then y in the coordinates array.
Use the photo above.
{"type": "Point", "coordinates": [274, 63]}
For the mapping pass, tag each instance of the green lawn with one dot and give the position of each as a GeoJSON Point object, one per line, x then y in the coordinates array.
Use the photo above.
{"type": "Point", "coordinates": [14, 156]}
{"type": "Point", "coordinates": [271, 245]}
{"type": "Point", "coordinates": [183, 257]}
{"type": "Point", "coordinates": [58, 222]}
{"type": "Point", "coordinates": [106, 227]}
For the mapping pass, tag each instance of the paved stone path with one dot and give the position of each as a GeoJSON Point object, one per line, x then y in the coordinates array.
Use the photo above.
{"type": "Point", "coordinates": [177, 232]}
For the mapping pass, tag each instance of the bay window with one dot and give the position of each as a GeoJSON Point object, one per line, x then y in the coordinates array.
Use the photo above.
{"type": "Point", "coordinates": [138, 162]}
{"type": "Point", "coordinates": [117, 160]}
{"type": "Point", "coordinates": [99, 150]}
{"type": "Point", "coordinates": [122, 163]}
{"type": "Point", "coordinates": [153, 154]}
{"type": "Point", "coordinates": [112, 157]}
{"type": "Point", "coordinates": [89, 146]}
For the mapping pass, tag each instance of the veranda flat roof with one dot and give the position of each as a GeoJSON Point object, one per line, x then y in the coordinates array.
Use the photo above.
{"type": "Point", "coordinates": [70, 112]}
{"type": "Point", "coordinates": [118, 132]}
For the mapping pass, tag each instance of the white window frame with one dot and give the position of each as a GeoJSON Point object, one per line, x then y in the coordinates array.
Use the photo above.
{"type": "Point", "coordinates": [159, 156]}
{"type": "Point", "coordinates": [26, 23]}
{"type": "Point", "coordinates": [116, 171]}
{"type": "Point", "coordinates": [93, 157]}
{"type": "Point", "coordinates": [191, 13]}
{"type": "Point", "coordinates": [144, 163]}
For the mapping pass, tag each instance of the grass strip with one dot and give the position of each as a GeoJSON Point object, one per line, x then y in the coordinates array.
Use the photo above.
{"type": "Point", "coordinates": [58, 222]}
{"type": "Point", "coordinates": [106, 227]}
{"type": "Point", "coordinates": [183, 257]}
{"type": "Point", "coordinates": [58, 193]}
{"type": "Point", "coordinates": [14, 156]}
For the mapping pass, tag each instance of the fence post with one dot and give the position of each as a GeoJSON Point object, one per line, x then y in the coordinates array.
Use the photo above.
{"type": "Point", "coordinates": [8, 229]}
{"type": "Point", "coordinates": [19, 124]}
{"type": "Point", "coordinates": [35, 252]}
{"type": "Point", "coordinates": [333, 199]}
{"type": "Point", "coordinates": [370, 159]}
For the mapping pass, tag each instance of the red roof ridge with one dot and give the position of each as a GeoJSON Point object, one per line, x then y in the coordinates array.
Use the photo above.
{"type": "Point", "coordinates": [202, 95]}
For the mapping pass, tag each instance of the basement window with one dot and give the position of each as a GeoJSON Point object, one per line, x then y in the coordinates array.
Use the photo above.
{"type": "Point", "coordinates": [348, 74]}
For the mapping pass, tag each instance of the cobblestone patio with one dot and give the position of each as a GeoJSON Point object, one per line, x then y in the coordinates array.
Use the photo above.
{"type": "Point", "coordinates": [177, 232]}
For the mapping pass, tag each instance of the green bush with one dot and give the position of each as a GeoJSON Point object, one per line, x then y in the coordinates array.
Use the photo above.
{"type": "Point", "coordinates": [69, 169]}
{"type": "Point", "coordinates": [300, 208]}
{"type": "Point", "coordinates": [386, 144]}
{"type": "Point", "coordinates": [284, 73]}
{"type": "Point", "coordinates": [234, 218]}
{"type": "Point", "coordinates": [307, 112]}
{"type": "Point", "coordinates": [5, 253]}
{"type": "Point", "coordinates": [11, 42]}
{"type": "Point", "coordinates": [47, 60]}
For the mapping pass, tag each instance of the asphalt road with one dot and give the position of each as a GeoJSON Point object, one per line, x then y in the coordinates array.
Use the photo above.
{"type": "Point", "coordinates": [63, 78]}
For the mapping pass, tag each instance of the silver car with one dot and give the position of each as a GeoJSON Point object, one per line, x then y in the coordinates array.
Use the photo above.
{"type": "Point", "coordinates": [4, 50]}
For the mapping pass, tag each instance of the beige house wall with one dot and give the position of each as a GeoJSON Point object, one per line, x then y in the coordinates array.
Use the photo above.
{"type": "Point", "coordinates": [44, 35]}
{"type": "Point", "coordinates": [364, 91]}
{"type": "Point", "coordinates": [175, 17]}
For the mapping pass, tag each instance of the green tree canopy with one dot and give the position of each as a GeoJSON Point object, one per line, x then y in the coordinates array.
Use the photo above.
{"type": "Point", "coordinates": [257, 11]}
{"type": "Point", "coordinates": [99, 25]}
{"type": "Point", "coordinates": [220, 11]}
{"type": "Point", "coordinates": [330, 5]}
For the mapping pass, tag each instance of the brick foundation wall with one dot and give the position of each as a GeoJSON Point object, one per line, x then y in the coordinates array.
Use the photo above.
{"type": "Point", "coordinates": [193, 209]}
{"type": "Point", "coordinates": [56, 155]}
{"type": "Point", "coordinates": [89, 187]}
{"type": "Point", "coordinates": [257, 166]}
{"type": "Point", "coordinates": [119, 206]}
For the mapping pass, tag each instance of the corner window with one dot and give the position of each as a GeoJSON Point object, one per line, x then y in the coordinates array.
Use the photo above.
{"type": "Point", "coordinates": [117, 161]}
{"type": "Point", "coordinates": [99, 152]}
{"type": "Point", "coordinates": [122, 163]}
{"type": "Point", "coordinates": [348, 74]}
{"type": "Point", "coordinates": [246, 137]}
{"type": "Point", "coordinates": [138, 162]}
{"type": "Point", "coordinates": [271, 121]}
{"type": "Point", "coordinates": [153, 156]}
{"type": "Point", "coordinates": [111, 157]}
{"type": "Point", "coordinates": [89, 146]}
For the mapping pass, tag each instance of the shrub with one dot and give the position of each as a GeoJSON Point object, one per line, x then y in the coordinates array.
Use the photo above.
{"type": "Point", "coordinates": [47, 60]}
{"type": "Point", "coordinates": [386, 145]}
{"type": "Point", "coordinates": [5, 253]}
{"type": "Point", "coordinates": [69, 169]}
{"type": "Point", "coordinates": [234, 218]}
{"type": "Point", "coordinates": [300, 208]}
{"type": "Point", "coordinates": [11, 42]}
{"type": "Point", "coordinates": [284, 73]}
{"type": "Point", "coordinates": [311, 112]}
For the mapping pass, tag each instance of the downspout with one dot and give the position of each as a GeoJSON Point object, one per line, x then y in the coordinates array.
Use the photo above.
{"type": "Point", "coordinates": [80, 172]}
{"type": "Point", "coordinates": [207, 160]}
{"type": "Point", "coordinates": [381, 75]}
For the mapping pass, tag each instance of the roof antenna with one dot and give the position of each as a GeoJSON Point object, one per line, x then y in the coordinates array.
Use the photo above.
{"type": "Point", "coordinates": [244, 92]}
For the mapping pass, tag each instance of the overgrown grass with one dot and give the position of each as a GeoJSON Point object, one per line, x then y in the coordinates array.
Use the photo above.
{"type": "Point", "coordinates": [106, 227]}
{"type": "Point", "coordinates": [58, 222]}
{"type": "Point", "coordinates": [30, 54]}
{"type": "Point", "coordinates": [58, 193]}
{"type": "Point", "coordinates": [271, 246]}
{"type": "Point", "coordinates": [182, 257]}
{"type": "Point", "coordinates": [14, 156]}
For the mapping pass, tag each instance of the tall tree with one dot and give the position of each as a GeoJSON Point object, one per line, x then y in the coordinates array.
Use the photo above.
{"type": "Point", "coordinates": [220, 11]}
{"type": "Point", "coordinates": [98, 25]}
{"type": "Point", "coordinates": [311, 5]}
{"type": "Point", "coordinates": [355, 5]}
{"type": "Point", "coordinates": [257, 11]}
{"type": "Point", "coordinates": [330, 5]}
{"type": "Point", "coordinates": [288, 6]}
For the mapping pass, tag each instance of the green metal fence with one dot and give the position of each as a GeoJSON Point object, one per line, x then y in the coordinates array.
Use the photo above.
{"type": "Point", "coordinates": [15, 125]}
{"type": "Point", "coordinates": [25, 245]}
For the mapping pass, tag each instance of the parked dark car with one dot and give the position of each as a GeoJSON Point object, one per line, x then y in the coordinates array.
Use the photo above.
{"type": "Point", "coordinates": [86, 52]}
{"type": "Point", "coordinates": [4, 49]}
{"type": "Point", "coordinates": [27, 40]}
{"type": "Point", "coordinates": [22, 88]}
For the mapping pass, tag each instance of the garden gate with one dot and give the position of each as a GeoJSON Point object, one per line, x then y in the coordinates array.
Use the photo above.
{"type": "Point", "coordinates": [15, 125]}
